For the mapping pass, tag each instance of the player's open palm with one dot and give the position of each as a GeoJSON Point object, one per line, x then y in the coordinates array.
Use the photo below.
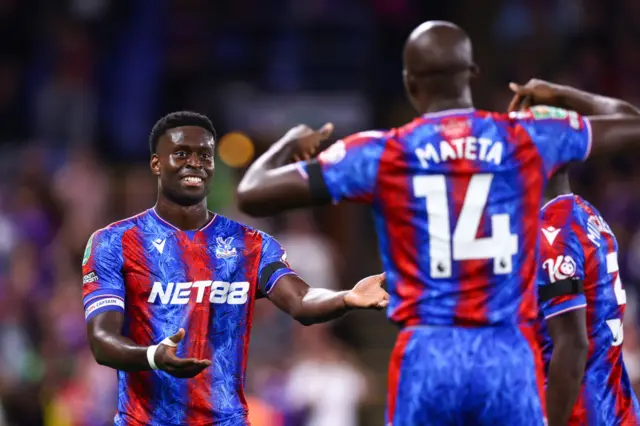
{"type": "Point", "coordinates": [535, 92]}
{"type": "Point", "coordinates": [167, 360]}
{"type": "Point", "coordinates": [368, 293]}
{"type": "Point", "coordinates": [304, 142]}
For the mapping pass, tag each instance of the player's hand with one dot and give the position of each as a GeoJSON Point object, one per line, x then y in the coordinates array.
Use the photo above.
{"type": "Point", "coordinates": [304, 141]}
{"type": "Point", "coordinates": [167, 360]}
{"type": "Point", "coordinates": [535, 92]}
{"type": "Point", "coordinates": [368, 294]}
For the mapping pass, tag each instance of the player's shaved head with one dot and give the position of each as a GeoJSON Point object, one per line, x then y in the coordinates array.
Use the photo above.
{"type": "Point", "coordinates": [438, 63]}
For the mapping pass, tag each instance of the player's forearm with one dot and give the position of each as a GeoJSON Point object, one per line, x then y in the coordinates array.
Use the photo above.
{"type": "Point", "coordinates": [566, 370]}
{"type": "Point", "coordinates": [276, 156]}
{"type": "Point", "coordinates": [118, 352]}
{"type": "Point", "coordinates": [320, 305]}
{"type": "Point", "coordinates": [263, 190]}
{"type": "Point", "coordinates": [111, 348]}
{"type": "Point", "coordinates": [586, 103]}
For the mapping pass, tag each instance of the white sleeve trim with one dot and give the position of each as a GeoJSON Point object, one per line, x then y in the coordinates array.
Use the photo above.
{"type": "Point", "coordinates": [301, 170]}
{"type": "Point", "coordinates": [587, 123]}
{"type": "Point", "coordinates": [273, 285]}
{"type": "Point", "coordinates": [573, 308]}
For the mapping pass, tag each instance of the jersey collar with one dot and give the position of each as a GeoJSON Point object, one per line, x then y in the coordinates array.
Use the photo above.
{"type": "Point", "coordinates": [155, 214]}
{"type": "Point", "coordinates": [448, 112]}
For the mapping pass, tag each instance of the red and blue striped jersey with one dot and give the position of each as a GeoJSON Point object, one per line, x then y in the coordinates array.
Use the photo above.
{"type": "Point", "coordinates": [164, 279]}
{"type": "Point", "coordinates": [456, 197]}
{"type": "Point", "coordinates": [577, 243]}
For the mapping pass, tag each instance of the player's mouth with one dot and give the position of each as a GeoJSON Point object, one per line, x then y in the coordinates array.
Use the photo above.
{"type": "Point", "coordinates": [193, 181]}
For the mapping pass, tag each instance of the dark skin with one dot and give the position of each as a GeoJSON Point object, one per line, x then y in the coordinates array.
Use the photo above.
{"type": "Point", "coordinates": [184, 166]}
{"type": "Point", "coordinates": [438, 69]}
{"type": "Point", "coordinates": [568, 331]}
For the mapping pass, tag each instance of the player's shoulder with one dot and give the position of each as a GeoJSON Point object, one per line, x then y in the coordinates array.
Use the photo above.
{"type": "Point", "coordinates": [118, 228]}
{"type": "Point", "coordinates": [559, 211]}
{"type": "Point", "coordinates": [585, 207]}
{"type": "Point", "coordinates": [569, 206]}
{"type": "Point", "coordinates": [539, 113]}
{"type": "Point", "coordinates": [367, 143]}
{"type": "Point", "coordinates": [227, 227]}
{"type": "Point", "coordinates": [110, 237]}
{"type": "Point", "coordinates": [591, 221]}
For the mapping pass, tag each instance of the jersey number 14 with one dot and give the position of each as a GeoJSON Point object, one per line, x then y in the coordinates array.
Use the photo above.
{"type": "Point", "coordinates": [443, 249]}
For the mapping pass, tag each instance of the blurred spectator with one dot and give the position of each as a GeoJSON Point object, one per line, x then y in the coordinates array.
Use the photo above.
{"type": "Point", "coordinates": [309, 252]}
{"type": "Point", "coordinates": [324, 380]}
{"type": "Point", "coordinates": [66, 106]}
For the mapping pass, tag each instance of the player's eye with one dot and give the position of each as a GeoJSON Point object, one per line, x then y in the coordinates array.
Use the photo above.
{"type": "Point", "coordinates": [206, 156]}
{"type": "Point", "coordinates": [180, 154]}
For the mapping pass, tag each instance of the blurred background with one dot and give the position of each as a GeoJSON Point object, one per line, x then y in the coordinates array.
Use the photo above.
{"type": "Point", "coordinates": [83, 81]}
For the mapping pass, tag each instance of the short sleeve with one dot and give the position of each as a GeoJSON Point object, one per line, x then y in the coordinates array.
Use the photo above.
{"type": "Point", "coordinates": [273, 265]}
{"type": "Point", "coordinates": [102, 281]}
{"type": "Point", "coordinates": [349, 167]}
{"type": "Point", "coordinates": [562, 136]}
{"type": "Point", "coordinates": [561, 270]}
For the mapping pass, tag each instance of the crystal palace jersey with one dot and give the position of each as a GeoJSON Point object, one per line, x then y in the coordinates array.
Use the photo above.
{"type": "Point", "coordinates": [576, 243]}
{"type": "Point", "coordinates": [205, 281]}
{"type": "Point", "coordinates": [456, 196]}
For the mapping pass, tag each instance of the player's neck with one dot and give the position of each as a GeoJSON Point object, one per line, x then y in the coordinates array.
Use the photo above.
{"type": "Point", "coordinates": [186, 218]}
{"type": "Point", "coordinates": [558, 185]}
{"type": "Point", "coordinates": [437, 105]}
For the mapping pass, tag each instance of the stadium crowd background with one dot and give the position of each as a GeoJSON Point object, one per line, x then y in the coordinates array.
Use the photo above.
{"type": "Point", "coordinates": [83, 81]}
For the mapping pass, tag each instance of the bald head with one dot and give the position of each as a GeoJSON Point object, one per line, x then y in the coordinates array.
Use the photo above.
{"type": "Point", "coordinates": [437, 47]}
{"type": "Point", "coordinates": [438, 64]}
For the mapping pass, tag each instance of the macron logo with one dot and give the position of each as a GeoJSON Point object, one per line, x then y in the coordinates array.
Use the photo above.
{"type": "Point", "coordinates": [159, 244]}
{"type": "Point", "coordinates": [550, 233]}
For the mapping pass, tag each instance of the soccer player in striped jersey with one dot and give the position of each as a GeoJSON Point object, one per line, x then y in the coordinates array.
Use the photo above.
{"type": "Point", "coordinates": [582, 300]}
{"type": "Point", "coordinates": [581, 295]}
{"type": "Point", "coordinates": [456, 196]}
{"type": "Point", "coordinates": [181, 271]}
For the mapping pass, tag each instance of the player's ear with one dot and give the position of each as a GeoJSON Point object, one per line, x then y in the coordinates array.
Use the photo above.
{"type": "Point", "coordinates": [410, 83]}
{"type": "Point", "coordinates": [155, 164]}
{"type": "Point", "coordinates": [475, 71]}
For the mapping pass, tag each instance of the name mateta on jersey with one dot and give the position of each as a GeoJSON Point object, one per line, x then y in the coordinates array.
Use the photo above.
{"type": "Point", "coordinates": [466, 148]}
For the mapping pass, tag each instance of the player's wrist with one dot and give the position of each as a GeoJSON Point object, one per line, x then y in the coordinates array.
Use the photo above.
{"type": "Point", "coordinates": [347, 303]}
{"type": "Point", "coordinates": [151, 357]}
{"type": "Point", "coordinates": [151, 352]}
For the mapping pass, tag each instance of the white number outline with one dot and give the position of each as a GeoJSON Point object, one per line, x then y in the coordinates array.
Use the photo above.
{"type": "Point", "coordinates": [500, 246]}
{"type": "Point", "coordinates": [615, 325]}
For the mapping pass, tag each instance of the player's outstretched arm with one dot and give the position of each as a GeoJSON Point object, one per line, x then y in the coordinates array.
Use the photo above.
{"type": "Point", "coordinates": [112, 349]}
{"type": "Point", "coordinates": [272, 184]}
{"type": "Point", "coordinates": [315, 305]}
{"type": "Point", "coordinates": [614, 122]}
{"type": "Point", "coordinates": [540, 92]}
{"type": "Point", "coordinates": [568, 332]}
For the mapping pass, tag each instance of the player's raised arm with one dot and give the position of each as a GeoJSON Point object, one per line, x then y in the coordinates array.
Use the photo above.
{"type": "Point", "coordinates": [104, 304]}
{"type": "Point", "coordinates": [612, 122]}
{"type": "Point", "coordinates": [273, 183]}
{"type": "Point", "coordinates": [306, 304]}
{"type": "Point", "coordinates": [346, 170]}
{"type": "Point", "coordinates": [563, 304]}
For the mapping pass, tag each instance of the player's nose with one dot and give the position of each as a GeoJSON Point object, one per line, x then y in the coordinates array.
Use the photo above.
{"type": "Point", "coordinates": [193, 161]}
